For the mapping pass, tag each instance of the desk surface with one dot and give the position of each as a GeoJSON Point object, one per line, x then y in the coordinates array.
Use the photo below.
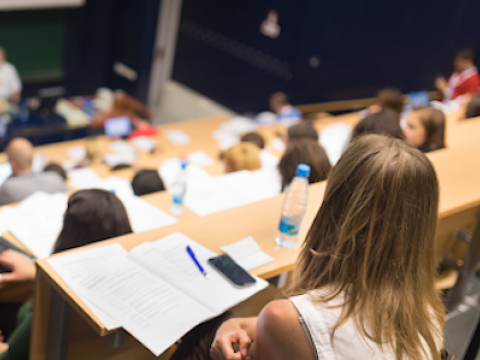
{"type": "Point", "coordinates": [458, 172]}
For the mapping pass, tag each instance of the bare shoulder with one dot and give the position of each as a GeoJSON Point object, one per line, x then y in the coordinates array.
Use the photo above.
{"type": "Point", "coordinates": [280, 334]}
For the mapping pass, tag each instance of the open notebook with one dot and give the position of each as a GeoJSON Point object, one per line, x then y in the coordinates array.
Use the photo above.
{"type": "Point", "coordinates": [155, 291]}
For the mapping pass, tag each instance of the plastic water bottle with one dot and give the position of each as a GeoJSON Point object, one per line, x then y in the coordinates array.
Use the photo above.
{"type": "Point", "coordinates": [178, 191]}
{"type": "Point", "coordinates": [293, 208]}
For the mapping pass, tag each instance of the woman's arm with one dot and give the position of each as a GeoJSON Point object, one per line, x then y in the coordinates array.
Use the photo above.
{"type": "Point", "coordinates": [275, 335]}
{"type": "Point", "coordinates": [21, 268]}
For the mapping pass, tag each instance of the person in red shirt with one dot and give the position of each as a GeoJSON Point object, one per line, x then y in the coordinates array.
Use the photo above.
{"type": "Point", "coordinates": [464, 80]}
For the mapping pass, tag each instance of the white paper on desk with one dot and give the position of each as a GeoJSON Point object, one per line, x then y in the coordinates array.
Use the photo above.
{"type": "Point", "coordinates": [269, 161]}
{"type": "Point", "coordinates": [37, 221]}
{"type": "Point", "coordinates": [247, 253]}
{"type": "Point", "coordinates": [144, 216]}
{"type": "Point", "coordinates": [120, 146]}
{"type": "Point", "coordinates": [121, 187]}
{"type": "Point", "coordinates": [168, 259]}
{"type": "Point", "coordinates": [5, 215]}
{"type": "Point", "coordinates": [170, 169]}
{"type": "Point", "coordinates": [239, 125]}
{"type": "Point", "coordinates": [5, 172]}
{"type": "Point", "coordinates": [178, 137]}
{"type": "Point", "coordinates": [225, 139]}
{"type": "Point", "coordinates": [39, 162]}
{"type": "Point", "coordinates": [144, 143]}
{"type": "Point", "coordinates": [119, 158]}
{"type": "Point", "coordinates": [277, 144]}
{"type": "Point", "coordinates": [199, 158]}
{"type": "Point", "coordinates": [77, 153]}
{"type": "Point", "coordinates": [84, 178]}
{"type": "Point", "coordinates": [334, 139]}
{"type": "Point", "coordinates": [151, 310]}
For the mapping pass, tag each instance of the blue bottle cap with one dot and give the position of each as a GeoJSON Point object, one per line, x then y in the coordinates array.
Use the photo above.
{"type": "Point", "coordinates": [184, 164]}
{"type": "Point", "coordinates": [303, 170]}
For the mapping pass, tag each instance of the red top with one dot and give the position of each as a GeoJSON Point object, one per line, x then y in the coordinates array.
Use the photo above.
{"type": "Point", "coordinates": [466, 82]}
{"type": "Point", "coordinates": [150, 131]}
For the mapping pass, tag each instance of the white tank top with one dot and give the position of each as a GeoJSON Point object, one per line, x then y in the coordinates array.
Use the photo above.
{"type": "Point", "coordinates": [318, 322]}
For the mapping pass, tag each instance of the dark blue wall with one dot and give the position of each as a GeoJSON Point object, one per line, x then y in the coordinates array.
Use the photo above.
{"type": "Point", "coordinates": [362, 46]}
{"type": "Point", "coordinates": [101, 33]}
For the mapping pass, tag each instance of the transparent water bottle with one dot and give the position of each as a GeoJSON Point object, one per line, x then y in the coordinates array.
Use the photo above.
{"type": "Point", "coordinates": [179, 190]}
{"type": "Point", "coordinates": [293, 208]}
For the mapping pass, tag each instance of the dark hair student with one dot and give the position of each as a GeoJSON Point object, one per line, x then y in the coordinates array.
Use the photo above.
{"type": "Point", "coordinates": [254, 138]}
{"type": "Point", "coordinates": [385, 122]}
{"type": "Point", "coordinates": [92, 215]}
{"type": "Point", "coordinates": [304, 151]}
{"type": "Point", "coordinates": [146, 182]}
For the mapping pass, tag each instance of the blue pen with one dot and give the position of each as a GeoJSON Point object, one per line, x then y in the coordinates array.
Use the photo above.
{"type": "Point", "coordinates": [192, 255]}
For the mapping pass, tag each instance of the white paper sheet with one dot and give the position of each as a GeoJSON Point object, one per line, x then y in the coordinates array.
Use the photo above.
{"type": "Point", "coordinates": [5, 215]}
{"type": "Point", "coordinates": [151, 310]}
{"type": "Point", "coordinates": [144, 143]}
{"type": "Point", "coordinates": [199, 158]}
{"type": "Point", "coordinates": [83, 178]}
{"type": "Point", "coordinates": [334, 139]}
{"type": "Point", "coordinates": [239, 125]}
{"type": "Point", "coordinates": [247, 253]}
{"type": "Point", "coordinates": [5, 172]}
{"type": "Point", "coordinates": [177, 137]}
{"type": "Point", "coordinates": [77, 153]}
{"type": "Point", "coordinates": [168, 258]}
{"type": "Point", "coordinates": [269, 161]}
{"type": "Point", "coordinates": [144, 216]}
{"type": "Point", "coordinates": [37, 221]}
{"type": "Point", "coordinates": [170, 169]}
{"type": "Point", "coordinates": [120, 146]}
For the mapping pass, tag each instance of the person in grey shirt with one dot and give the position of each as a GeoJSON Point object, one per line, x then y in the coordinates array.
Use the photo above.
{"type": "Point", "coordinates": [24, 182]}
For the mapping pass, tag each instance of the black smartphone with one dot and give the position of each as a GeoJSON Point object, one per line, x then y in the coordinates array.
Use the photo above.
{"type": "Point", "coordinates": [232, 271]}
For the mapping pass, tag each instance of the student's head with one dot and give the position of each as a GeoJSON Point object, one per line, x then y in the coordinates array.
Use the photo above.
{"type": "Point", "coordinates": [243, 156]}
{"type": "Point", "coordinates": [385, 122]}
{"type": "Point", "coordinates": [464, 59]}
{"type": "Point", "coordinates": [146, 182]}
{"type": "Point", "coordinates": [92, 215]}
{"type": "Point", "coordinates": [304, 151]}
{"type": "Point", "coordinates": [20, 155]}
{"type": "Point", "coordinates": [57, 169]}
{"type": "Point", "coordinates": [254, 138]}
{"type": "Point", "coordinates": [390, 98]}
{"type": "Point", "coordinates": [473, 107]}
{"type": "Point", "coordinates": [3, 55]}
{"type": "Point", "coordinates": [425, 129]}
{"type": "Point", "coordinates": [278, 101]}
{"type": "Point", "coordinates": [303, 130]}
{"type": "Point", "coordinates": [373, 241]}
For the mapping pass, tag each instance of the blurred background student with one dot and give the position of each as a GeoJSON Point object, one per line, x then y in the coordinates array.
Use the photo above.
{"type": "Point", "coordinates": [473, 107]}
{"type": "Point", "coordinates": [280, 105]}
{"type": "Point", "coordinates": [384, 122]}
{"type": "Point", "coordinates": [425, 129]}
{"type": "Point", "coordinates": [304, 151]}
{"type": "Point", "coordinates": [254, 138]}
{"type": "Point", "coordinates": [304, 130]}
{"type": "Point", "coordinates": [10, 84]}
{"type": "Point", "coordinates": [146, 182]}
{"type": "Point", "coordinates": [24, 181]}
{"type": "Point", "coordinates": [91, 216]}
{"type": "Point", "coordinates": [57, 169]}
{"type": "Point", "coordinates": [464, 80]}
{"type": "Point", "coordinates": [389, 98]}
{"type": "Point", "coordinates": [243, 156]}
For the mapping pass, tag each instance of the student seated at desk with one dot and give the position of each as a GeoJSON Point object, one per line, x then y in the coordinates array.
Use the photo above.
{"type": "Point", "coordinates": [425, 129]}
{"type": "Point", "coordinates": [280, 105]}
{"type": "Point", "coordinates": [243, 156]}
{"type": "Point", "coordinates": [57, 169]}
{"type": "Point", "coordinates": [356, 285]}
{"type": "Point", "coordinates": [24, 181]}
{"type": "Point", "coordinates": [473, 107]}
{"type": "Point", "coordinates": [254, 138]}
{"type": "Point", "coordinates": [304, 151]}
{"type": "Point", "coordinates": [304, 130]}
{"type": "Point", "coordinates": [146, 182]}
{"type": "Point", "coordinates": [91, 216]}
{"type": "Point", "coordinates": [384, 122]}
{"type": "Point", "coordinates": [390, 98]}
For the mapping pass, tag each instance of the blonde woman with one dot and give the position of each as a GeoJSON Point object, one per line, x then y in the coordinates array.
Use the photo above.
{"type": "Point", "coordinates": [364, 281]}
{"type": "Point", "coordinates": [243, 156]}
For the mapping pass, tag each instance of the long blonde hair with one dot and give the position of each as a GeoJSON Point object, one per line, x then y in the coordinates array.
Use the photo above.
{"type": "Point", "coordinates": [373, 242]}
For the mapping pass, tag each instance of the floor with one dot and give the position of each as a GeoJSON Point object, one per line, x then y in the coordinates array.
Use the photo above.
{"type": "Point", "coordinates": [182, 103]}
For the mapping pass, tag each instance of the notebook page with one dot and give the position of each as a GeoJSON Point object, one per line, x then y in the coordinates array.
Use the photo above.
{"type": "Point", "coordinates": [151, 310]}
{"type": "Point", "coordinates": [168, 259]}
